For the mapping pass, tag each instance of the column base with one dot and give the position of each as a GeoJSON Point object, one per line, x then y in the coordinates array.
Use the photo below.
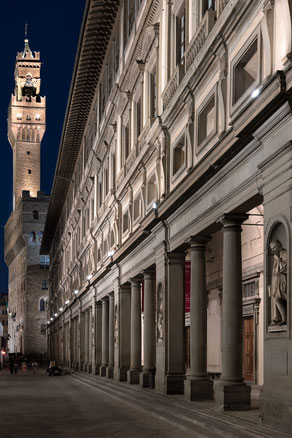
{"type": "Point", "coordinates": [174, 383]}
{"type": "Point", "coordinates": [198, 389]}
{"type": "Point", "coordinates": [120, 374]}
{"type": "Point", "coordinates": [89, 368]}
{"type": "Point", "coordinates": [147, 379]}
{"type": "Point", "coordinates": [133, 376]}
{"type": "Point", "coordinates": [102, 370]}
{"type": "Point", "coordinates": [232, 396]}
{"type": "Point", "coordinates": [110, 372]}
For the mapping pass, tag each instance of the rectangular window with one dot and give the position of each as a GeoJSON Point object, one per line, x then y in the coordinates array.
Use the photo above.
{"type": "Point", "coordinates": [180, 36]}
{"type": "Point", "coordinates": [151, 190]}
{"type": "Point", "coordinates": [153, 93]}
{"type": "Point", "coordinates": [106, 181]}
{"type": "Point", "coordinates": [245, 71]}
{"type": "Point", "coordinates": [126, 140]}
{"type": "Point", "coordinates": [125, 222]}
{"type": "Point", "coordinates": [207, 121]}
{"type": "Point", "coordinates": [139, 117]}
{"type": "Point", "coordinates": [208, 4]}
{"type": "Point", "coordinates": [114, 171]}
{"type": "Point", "coordinates": [43, 329]}
{"type": "Point", "coordinates": [137, 208]}
{"type": "Point", "coordinates": [178, 159]}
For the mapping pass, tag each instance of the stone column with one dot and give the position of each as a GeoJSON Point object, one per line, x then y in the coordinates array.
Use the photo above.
{"type": "Point", "coordinates": [175, 324]}
{"type": "Point", "coordinates": [86, 340]}
{"type": "Point", "coordinates": [135, 364]}
{"type": "Point", "coordinates": [122, 364]}
{"type": "Point", "coordinates": [198, 385]}
{"type": "Point", "coordinates": [89, 363]}
{"type": "Point", "coordinates": [110, 368]}
{"type": "Point", "coordinates": [70, 339]}
{"type": "Point", "coordinates": [98, 331]}
{"type": "Point", "coordinates": [232, 392]}
{"type": "Point", "coordinates": [149, 327]}
{"type": "Point", "coordinates": [93, 336]}
{"type": "Point", "coordinates": [81, 341]}
{"type": "Point", "coordinates": [104, 337]}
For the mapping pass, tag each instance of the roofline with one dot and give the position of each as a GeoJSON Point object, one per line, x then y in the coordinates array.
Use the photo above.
{"type": "Point", "coordinates": [69, 147]}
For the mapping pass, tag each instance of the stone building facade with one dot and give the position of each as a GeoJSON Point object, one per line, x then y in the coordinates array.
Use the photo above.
{"type": "Point", "coordinates": [28, 271]}
{"type": "Point", "coordinates": [170, 220]}
{"type": "Point", "coordinates": [3, 320]}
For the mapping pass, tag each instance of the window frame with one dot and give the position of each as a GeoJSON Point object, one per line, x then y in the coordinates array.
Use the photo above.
{"type": "Point", "coordinates": [246, 96]}
{"type": "Point", "coordinates": [212, 94]}
{"type": "Point", "coordinates": [182, 136]}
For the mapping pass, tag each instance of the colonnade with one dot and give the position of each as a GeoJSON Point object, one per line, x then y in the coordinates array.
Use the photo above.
{"type": "Point", "coordinates": [105, 338]}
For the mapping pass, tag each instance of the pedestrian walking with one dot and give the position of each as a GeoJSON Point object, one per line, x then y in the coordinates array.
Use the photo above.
{"type": "Point", "coordinates": [34, 368]}
{"type": "Point", "coordinates": [15, 367]}
{"type": "Point", "coordinates": [11, 366]}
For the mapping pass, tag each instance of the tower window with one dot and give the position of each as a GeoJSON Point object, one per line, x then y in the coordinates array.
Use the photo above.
{"type": "Point", "coordinates": [19, 117]}
{"type": "Point", "coordinates": [27, 152]}
{"type": "Point", "coordinates": [29, 171]}
{"type": "Point", "coordinates": [35, 214]}
{"type": "Point", "coordinates": [38, 117]}
{"type": "Point", "coordinates": [28, 117]}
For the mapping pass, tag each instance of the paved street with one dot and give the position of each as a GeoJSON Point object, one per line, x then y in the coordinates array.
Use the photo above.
{"type": "Point", "coordinates": [90, 406]}
{"type": "Point", "coordinates": [40, 406]}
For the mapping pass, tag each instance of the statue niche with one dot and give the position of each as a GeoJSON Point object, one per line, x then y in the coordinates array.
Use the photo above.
{"type": "Point", "coordinates": [159, 315]}
{"type": "Point", "coordinates": [277, 284]}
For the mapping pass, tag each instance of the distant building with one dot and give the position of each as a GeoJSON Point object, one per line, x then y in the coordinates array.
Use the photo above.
{"type": "Point", "coordinates": [28, 271]}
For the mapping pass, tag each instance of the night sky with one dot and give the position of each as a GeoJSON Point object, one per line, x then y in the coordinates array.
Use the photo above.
{"type": "Point", "coordinates": [53, 29]}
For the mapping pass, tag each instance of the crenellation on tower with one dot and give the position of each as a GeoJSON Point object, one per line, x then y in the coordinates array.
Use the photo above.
{"type": "Point", "coordinates": [26, 123]}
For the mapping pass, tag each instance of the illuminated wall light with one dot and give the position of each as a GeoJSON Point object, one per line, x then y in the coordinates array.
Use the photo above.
{"type": "Point", "coordinates": [67, 302]}
{"type": "Point", "coordinates": [56, 314]}
{"type": "Point", "coordinates": [154, 205]}
{"type": "Point", "coordinates": [255, 93]}
{"type": "Point", "coordinates": [52, 319]}
{"type": "Point", "coordinates": [48, 322]}
{"type": "Point", "coordinates": [111, 253]}
{"type": "Point", "coordinates": [61, 309]}
{"type": "Point", "coordinates": [89, 277]}
{"type": "Point", "coordinates": [76, 291]}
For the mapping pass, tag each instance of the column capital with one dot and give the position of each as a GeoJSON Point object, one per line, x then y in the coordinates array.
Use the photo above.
{"type": "Point", "coordinates": [125, 288]}
{"type": "Point", "coordinates": [176, 257]}
{"type": "Point", "coordinates": [135, 281]}
{"type": "Point", "coordinates": [232, 219]}
{"type": "Point", "coordinates": [148, 273]}
{"type": "Point", "coordinates": [199, 241]}
{"type": "Point", "coordinates": [104, 300]}
{"type": "Point", "coordinates": [111, 296]}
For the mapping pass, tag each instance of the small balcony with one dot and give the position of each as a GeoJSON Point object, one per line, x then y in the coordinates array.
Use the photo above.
{"type": "Point", "coordinates": [200, 36]}
{"type": "Point", "coordinates": [172, 85]}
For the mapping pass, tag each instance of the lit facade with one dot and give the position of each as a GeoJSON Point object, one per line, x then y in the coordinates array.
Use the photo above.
{"type": "Point", "coordinates": [28, 271]}
{"type": "Point", "coordinates": [169, 224]}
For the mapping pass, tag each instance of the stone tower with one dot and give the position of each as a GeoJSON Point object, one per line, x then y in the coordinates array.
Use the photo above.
{"type": "Point", "coordinates": [26, 123]}
{"type": "Point", "coordinates": [28, 271]}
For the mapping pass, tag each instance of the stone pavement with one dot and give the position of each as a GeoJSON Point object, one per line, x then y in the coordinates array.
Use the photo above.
{"type": "Point", "coordinates": [91, 406]}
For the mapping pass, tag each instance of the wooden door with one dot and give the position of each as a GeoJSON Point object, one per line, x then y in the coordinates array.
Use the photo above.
{"type": "Point", "coordinates": [248, 349]}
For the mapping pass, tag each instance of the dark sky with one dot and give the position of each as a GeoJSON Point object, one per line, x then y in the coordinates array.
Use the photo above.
{"type": "Point", "coordinates": [53, 29]}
